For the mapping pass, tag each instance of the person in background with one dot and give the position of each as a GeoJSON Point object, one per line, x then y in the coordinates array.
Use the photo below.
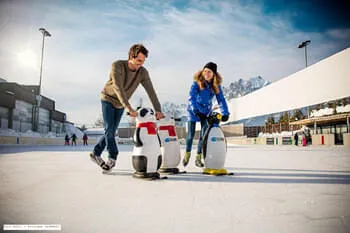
{"type": "Point", "coordinates": [206, 85]}
{"type": "Point", "coordinates": [296, 139]}
{"type": "Point", "coordinates": [66, 140]}
{"type": "Point", "coordinates": [303, 139]}
{"type": "Point", "coordinates": [85, 138]}
{"type": "Point", "coordinates": [74, 138]}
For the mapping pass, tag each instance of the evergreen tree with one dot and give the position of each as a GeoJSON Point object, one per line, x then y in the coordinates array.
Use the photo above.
{"type": "Point", "coordinates": [270, 120]}
{"type": "Point", "coordinates": [284, 118]}
{"type": "Point", "coordinates": [297, 115]}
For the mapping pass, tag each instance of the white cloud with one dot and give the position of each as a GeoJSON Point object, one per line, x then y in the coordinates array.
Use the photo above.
{"type": "Point", "coordinates": [341, 34]}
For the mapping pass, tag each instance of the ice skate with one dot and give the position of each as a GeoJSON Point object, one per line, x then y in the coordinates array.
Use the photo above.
{"type": "Point", "coordinates": [186, 158]}
{"type": "Point", "coordinates": [199, 161]}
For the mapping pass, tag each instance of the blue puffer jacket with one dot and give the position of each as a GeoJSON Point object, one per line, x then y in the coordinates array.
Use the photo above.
{"type": "Point", "coordinates": [201, 100]}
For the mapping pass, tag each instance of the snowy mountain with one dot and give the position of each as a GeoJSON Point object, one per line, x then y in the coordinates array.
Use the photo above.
{"type": "Point", "coordinates": [244, 87]}
{"type": "Point", "coordinates": [70, 129]}
{"type": "Point", "coordinates": [174, 110]}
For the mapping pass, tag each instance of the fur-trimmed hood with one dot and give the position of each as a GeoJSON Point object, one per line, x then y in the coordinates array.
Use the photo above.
{"type": "Point", "coordinates": [217, 80]}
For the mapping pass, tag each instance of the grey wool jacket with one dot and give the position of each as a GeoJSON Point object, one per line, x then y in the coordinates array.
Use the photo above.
{"type": "Point", "coordinates": [122, 84]}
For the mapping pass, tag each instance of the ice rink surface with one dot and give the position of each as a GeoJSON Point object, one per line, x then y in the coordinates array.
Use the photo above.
{"type": "Point", "coordinates": [274, 189]}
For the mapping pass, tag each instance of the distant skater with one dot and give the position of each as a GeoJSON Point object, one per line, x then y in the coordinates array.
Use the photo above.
{"type": "Point", "coordinates": [296, 138]}
{"type": "Point", "coordinates": [85, 138]}
{"type": "Point", "coordinates": [66, 140]}
{"type": "Point", "coordinates": [303, 139]}
{"type": "Point", "coordinates": [74, 138]}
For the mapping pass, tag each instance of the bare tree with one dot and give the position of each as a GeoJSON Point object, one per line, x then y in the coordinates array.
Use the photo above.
{"type": "Point", "coordinates": [99, 122]}
{"type": "Point", "coordinates": [82, 128]}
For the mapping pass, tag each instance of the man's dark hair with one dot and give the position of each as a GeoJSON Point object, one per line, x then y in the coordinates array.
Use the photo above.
{"type": "Point", "coordinates": [136, 49]}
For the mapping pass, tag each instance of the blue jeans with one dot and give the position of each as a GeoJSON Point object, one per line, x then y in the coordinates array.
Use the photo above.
{"type": "Point", "coordinates": [111, 117]}
{"type": "Point", "coordinates": [191, 130]}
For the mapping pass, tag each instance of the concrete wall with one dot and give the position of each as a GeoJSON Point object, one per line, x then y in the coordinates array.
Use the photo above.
{"type": "Point", "coordinates": [240, 140]}
{"type": "Point", "coordinates": [233, 130]}
{"type": "Point", "coordinates": [346, 139]}
{"type": "Point", "coordinates": [246, 141]}
{"type": "Point", "coordinates": [181, 132]}
{"type": "Point", "coordinates": [40, 141]}
{"type": "Point", "coordinates": [328, 139]}
{"type": "Point", "coordinates": [316, 140]}
{"type": "Point", "coordinates": [326, 80]}
{"type": "Point", "coordinates": [30, 140]}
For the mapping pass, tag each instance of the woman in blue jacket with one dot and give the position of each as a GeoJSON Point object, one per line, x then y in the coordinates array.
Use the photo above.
{"type": "Point", "coordinates": [206, 85]}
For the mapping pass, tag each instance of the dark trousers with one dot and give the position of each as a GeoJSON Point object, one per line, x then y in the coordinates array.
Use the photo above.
{"type": "Point", "coordinates": [191, 130]}
{"type": "Point", "coordinates": [111, 118]}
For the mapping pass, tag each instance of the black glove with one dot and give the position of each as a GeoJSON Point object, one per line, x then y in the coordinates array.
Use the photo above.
{"type": "Point", "coordinates": [200, 115]}
{"type": "Point", "coordinates": [224, 118]}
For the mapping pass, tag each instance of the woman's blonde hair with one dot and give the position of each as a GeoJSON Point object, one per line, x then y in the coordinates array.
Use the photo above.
{"type": "Point", "coordinates": [217, 80]}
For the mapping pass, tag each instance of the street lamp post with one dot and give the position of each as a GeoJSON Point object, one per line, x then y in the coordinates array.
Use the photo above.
{"type": "Point", "coordinates": [38, 97]}
{"type": "Point", "coordinates": [304, 44]}
{"type": "Point", "coordinates": [45, 33]}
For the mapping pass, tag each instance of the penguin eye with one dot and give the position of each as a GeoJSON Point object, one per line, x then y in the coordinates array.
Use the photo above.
{"type": "Point", "coordinates": [152, 112]}
{"type": "Point", "coordinates": [143, 112]}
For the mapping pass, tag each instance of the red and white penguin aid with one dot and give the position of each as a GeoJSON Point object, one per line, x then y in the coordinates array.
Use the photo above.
{"type": "Point", "coordinates": [170, 147]}
{"type": "Point", "coordinates": [146, 158]}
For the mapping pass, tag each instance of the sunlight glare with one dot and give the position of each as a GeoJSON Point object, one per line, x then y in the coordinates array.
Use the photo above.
{"type": "Point", "coordinates": [28, 59]}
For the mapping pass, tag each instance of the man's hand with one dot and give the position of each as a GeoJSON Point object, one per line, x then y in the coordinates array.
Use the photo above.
{"type": "Point", "coordinates": [159, 115]}
{"type": "Point", "coordinates": [131, 112]}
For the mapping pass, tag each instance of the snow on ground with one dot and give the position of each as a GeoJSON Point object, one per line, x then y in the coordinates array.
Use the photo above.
{"type": "Point", "coordinates": [342, 109]}
{"type": "Point", "coordinates": [284, 133]}
{"type": "Point", "coordinates": [274, 189]}
{"type": "Point", "coordinates": [329, 111]}
{"type": "Point", "coordinates": [29, 133]}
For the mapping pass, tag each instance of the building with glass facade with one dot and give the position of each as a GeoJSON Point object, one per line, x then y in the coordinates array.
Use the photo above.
{"type": "Point", "coordinates": [17, 110]}
{"type": "Point", "coordinates": [294, 101]}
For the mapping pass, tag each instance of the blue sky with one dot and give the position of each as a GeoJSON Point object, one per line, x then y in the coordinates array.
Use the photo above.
{"type": "Point", "coordinates": [245, 38]}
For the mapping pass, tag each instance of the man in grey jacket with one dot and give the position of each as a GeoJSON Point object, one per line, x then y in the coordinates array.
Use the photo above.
{"type": "Point", "coordinates": [124, 78]}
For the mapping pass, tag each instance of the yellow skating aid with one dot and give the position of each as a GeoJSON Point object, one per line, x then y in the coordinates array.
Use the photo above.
{"type": "Point", "coordinates": [216, 172]}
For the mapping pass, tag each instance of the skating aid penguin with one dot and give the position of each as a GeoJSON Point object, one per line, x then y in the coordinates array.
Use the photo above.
{"type": "Point", "coordinates": [146, 158]}
{"type": "Point", "coordinates": [214, 147]}
{"type": "Point", "coordinates": [170, 146]}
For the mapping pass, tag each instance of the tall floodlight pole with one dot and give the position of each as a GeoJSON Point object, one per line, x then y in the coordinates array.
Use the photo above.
{"type": "Point", "coordinates": [304, 44]}
{"type": "Point", "coordinates": [45, 33]}
{"type": "Point", "coordinates": [38, 97]}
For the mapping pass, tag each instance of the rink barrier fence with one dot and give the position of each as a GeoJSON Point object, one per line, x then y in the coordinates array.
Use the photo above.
{"type": "Point", "coordinates": [52, 141]}
{"type": "Point", "coordinates": [280, 141]}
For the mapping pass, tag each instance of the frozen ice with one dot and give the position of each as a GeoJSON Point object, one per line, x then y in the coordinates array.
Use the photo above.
{"type": "Point", "coordinates": [274, 189]}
